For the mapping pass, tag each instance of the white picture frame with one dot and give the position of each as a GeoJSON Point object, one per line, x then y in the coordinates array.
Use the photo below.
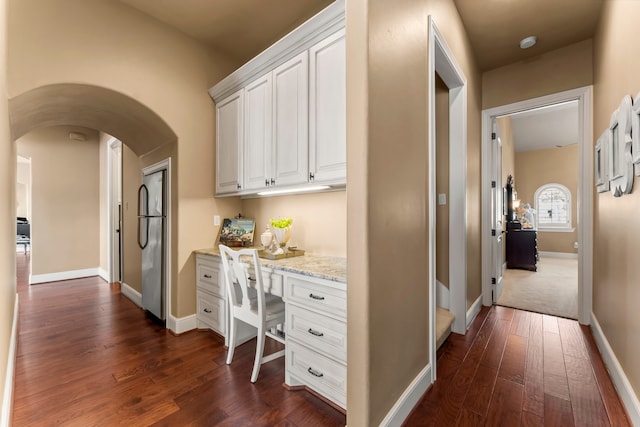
{"type": "Point", "coordinates": [635, 133]}
{"type": "Point", "coordinates": [620, 158]}
{"type": "Point", "coordinates": [601, 162]}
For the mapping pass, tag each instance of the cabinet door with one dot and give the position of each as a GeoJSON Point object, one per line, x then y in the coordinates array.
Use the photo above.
{"type": "Point", "coordinates": [229, 134]}
{"type": "Point", "coordinates": [327, 118]}
{"type": "Point", "coordinates": [290, 112]}
{"type": "Point", "coordinates": [258, 131]}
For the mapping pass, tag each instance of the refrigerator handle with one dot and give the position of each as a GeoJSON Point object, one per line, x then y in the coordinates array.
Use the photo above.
{"type": "Point", "coordinates": [141, 216]}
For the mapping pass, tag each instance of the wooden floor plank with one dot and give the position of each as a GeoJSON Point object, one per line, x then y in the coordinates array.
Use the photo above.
{"type": "Point", "coordinates": [513, 364]}
{"type": "Point", "coordinates": [572, 340]}
{"type": "Point", "coordinates": [550, 324]}
{"type": "Point", "coordinates": [492, 357]}
{"type": "Point", "coordinates": [555, 374]}
{"type": "Point", "coordinates": [534, 368]}
{"type": "Point", "coordinates": [557, 412]}
{"type": "Point", "coordinates": [506, 404]}
{"type": "Point", "coordinates": [481, 390]}
{"type": "Point", "coordinates": [521, 323]}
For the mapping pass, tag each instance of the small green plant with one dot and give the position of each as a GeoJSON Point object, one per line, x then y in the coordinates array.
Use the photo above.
{"type": "Point", "coordinates": [281, 223]}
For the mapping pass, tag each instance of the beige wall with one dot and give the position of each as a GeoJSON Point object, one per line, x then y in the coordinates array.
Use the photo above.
{"type": "Point", "coordinates": [540, 167]}
{"type": "Point", "coordinates": [104, 201]}
{"type": "Point", "coordinates": [508, 163]}
{"type": "Point", "coordinates": [65, 223]}
{"type": "Point", "coordinates": [387, 134]}
{"type": "Point", "coordinates": [319, 220]}
{"type": "Point", "coordinates": [160, 68]}
{"type": "Point", "coordinates": [556, 71]}
{"type": "Point", "coordinates": [7, 215]}
{"type": "Point", "coordinates": [131, 180]}
{"type": "Point", "coordinates": [442, 181]}
{"type": "Point", "coordinates": [23, 187]}
{"type": "Point", "coordinates": [617, 226]}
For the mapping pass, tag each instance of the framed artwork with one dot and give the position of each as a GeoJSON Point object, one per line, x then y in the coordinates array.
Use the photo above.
{"type": "Point", "coordinates": [237, 232]}
{"type": "Point", "coordinates": [620, 159]}
{"type": "Point", "coordinates": [601, 163]}
{"type": "Point", "coordinates": [635, 134]}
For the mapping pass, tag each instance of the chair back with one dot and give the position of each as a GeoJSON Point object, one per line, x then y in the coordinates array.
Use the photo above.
{"type": "Point", "coordinates": [239, 268]}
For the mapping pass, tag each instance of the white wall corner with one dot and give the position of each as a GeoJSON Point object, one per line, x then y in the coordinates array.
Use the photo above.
{"type": "Point", "coordinates": [442, 295]}
{"type": "Point", "coordinates": [179, 325]}
{"type": "Point", "coordinates": [409, 399]}
{"type": "Point", "coordinates": [619, 378]}
{"type": "Point", "coordinates": [131, 293]}
{"type": "Point", "coordinates": [104, 275]}
{"type": "Point", "coordinates": [7, 396]}
{"type": "Point", "coordinates": [473, 311]}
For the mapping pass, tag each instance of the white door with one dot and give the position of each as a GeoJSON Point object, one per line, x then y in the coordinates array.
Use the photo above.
{"type": "Point", "coordinates": [257, 143]}
{"type": "Point", "coordinates": [327, 114]}
{"type": "Point", "coordinates": [497, 235]}
{"type": "Point", "coordinates": [291, 118]}
{"type": "Point", "coordinates": [116, 266]}
{"type": "Point", "coordinates": [229, 134]}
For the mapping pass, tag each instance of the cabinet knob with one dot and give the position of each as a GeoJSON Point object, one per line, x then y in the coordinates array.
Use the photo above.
{"type": "Point", "coordinates": [266, 182]}
{"type": "Point", "coordinates": [207, 276]}
{"type": "Point", "coordinates": [207, 310]}
{"type": "Point", "coordinates": [273, 181]}
{"type": "Point", "coordinates": [311, 176]}
{"type": "Point", "coordinates": [239, 186]}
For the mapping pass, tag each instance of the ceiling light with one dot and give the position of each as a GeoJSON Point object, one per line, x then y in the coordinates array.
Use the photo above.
{"type": "Point", "coordinates": [294, 190]}
{"type": "Point", "coordinates": [527, 42]}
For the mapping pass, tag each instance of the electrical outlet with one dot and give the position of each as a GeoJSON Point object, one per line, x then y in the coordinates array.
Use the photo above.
{"type": "Point", "coordinates": [442, 199]}
{"type": "Point", "coordinates": [216, 220]}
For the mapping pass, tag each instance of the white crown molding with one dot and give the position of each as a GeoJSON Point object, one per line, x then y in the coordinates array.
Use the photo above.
{"type": "Point", "coordinates": [317, 28]}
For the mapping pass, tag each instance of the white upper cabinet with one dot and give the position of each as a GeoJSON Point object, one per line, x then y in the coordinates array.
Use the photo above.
{"type": "Point", "coordinates": [229, 137]}
{"type": "Point", "coordinates": [327, 110]}
{"type": "Point", "coordinates": [290, 121]}
{"type": "Point", "coordinates": [258, 119]}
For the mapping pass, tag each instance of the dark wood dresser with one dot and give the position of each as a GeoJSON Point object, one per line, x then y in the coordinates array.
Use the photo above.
{"type": "Point", "coordinates": [522, 249]}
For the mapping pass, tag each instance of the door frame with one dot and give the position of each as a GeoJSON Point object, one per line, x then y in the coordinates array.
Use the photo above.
{"type": "Point", "coordinates": [165, 165]}
{"type": "Point", "coordinates": [442, 62]}
{"type": "Point", "coordinates": [585, 190]}
{"type": "Point", "coordinates": [112, 199]}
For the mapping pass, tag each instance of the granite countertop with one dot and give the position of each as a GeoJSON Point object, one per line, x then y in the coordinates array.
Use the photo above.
{"type": "Point", "coordinates": [323, 267]}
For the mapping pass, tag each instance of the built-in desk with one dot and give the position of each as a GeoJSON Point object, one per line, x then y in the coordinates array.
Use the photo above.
{"type": "Point", "coordinates": [314, 289]}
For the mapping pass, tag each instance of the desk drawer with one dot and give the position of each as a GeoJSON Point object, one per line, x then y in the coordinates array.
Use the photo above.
{"type": "Point", "coordinates": [322, 333]}
{"type": "Point", "coordinates": [317, 296]}
{"type": "Point", "coordinates": [209, 279]}
{"type": "Point", "coordinates": [319, 373]}
{"type": "Point", "coordinates": [211, 310]}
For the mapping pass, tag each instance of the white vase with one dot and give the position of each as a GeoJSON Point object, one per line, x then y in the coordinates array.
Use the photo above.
{"type": "Point", "coordinates": [282, 235]}
{"type": "Point", "coordinates": [266, 238]}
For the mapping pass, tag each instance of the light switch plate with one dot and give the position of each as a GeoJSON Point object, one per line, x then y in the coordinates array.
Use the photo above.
{"type": "Point", "coordinates": [216, 220]}
{"type": "Point", "coordinates": [442, 199]}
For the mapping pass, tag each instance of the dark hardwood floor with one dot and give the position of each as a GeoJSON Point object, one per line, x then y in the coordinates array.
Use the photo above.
{"type": "Point", "coordinates": [517, 368]}
{"type": "Point", "coordinates": [87, 356]}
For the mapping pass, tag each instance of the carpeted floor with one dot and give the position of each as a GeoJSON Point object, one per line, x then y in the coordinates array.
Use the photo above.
{"type": "Point", "coordinates": [553, 289]}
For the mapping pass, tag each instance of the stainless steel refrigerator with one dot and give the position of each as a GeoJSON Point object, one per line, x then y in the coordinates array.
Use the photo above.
{"type": "Point", "coordinates": [151, 236]}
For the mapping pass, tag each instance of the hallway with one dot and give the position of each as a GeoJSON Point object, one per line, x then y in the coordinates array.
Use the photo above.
{"type": "Point", "coordinates": [88, 356]}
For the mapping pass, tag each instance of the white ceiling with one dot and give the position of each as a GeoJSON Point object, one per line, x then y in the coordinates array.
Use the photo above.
{"type": "Point", "coordinates": [547, 127]}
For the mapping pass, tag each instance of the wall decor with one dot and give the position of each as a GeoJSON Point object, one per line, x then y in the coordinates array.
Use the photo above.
{"type": "Point", "coordinates": [620, 158]}
{"type": "Point", "coordinates": [635, 133]}
{"type": "Point", "coordinates": [601, 163]}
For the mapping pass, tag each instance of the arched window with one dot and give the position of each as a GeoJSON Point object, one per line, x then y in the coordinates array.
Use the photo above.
{"type": "Point", "coordinates": [553, 208]}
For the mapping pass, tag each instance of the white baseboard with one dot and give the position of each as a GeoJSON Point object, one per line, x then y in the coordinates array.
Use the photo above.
{"type": "Point", "coordinates": [63, 275]}
{"type": "Point", "coordinates": [131, 293]}
{"type": "Point", "coordinates": [7, 396]}
{"type": "Point", "coordinates": [182, 324]}
{"type": "Point", "coordinates": [442, 295]}
{"type": "Point", "coordinates": [474, 310]}
{"type": "Point", "coordinates": [570, 255]}
{"type": "Point", "coordinates": [409, 399]}
{"type": "Point", "coordinates": [619, 378]}
{"type": "Point", "coordinates": [104, 274]}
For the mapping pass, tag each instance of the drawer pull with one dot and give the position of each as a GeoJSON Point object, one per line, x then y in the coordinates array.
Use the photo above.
{"type": "Point", "coordinates": [316, 333]}
{"type": "Point", "coordinates": [316, 297]}
{"type": "Point", "coordinates": [315, 373]}
{"type": "Point", "coordinates": [207, 310]}
{"type": "Point", "coordinates": [207, 276]}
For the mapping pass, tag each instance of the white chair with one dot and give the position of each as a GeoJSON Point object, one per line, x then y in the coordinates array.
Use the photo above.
{"type": "Point", "coordinates": [248, 302]}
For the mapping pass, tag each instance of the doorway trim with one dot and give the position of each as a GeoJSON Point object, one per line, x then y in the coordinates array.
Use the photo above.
{"type": "Point", "coordinates": [585, 192]}
{"type": "Point", "coordinates": [112, 195]}
{"type": "Point", "coordinates": [171, 322]}
{"type": "Point", "coordinates": [442, 62]}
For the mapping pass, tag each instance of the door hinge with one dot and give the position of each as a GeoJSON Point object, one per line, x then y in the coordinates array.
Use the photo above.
{"type": "Point", "coordinates": [493, 136]}
{"type": "Point", "coordinates": [493, 184]}
{"type": "Point", "coordinates": [493, 280]}
{"type": "Point", "coordinates": [493, 232]}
